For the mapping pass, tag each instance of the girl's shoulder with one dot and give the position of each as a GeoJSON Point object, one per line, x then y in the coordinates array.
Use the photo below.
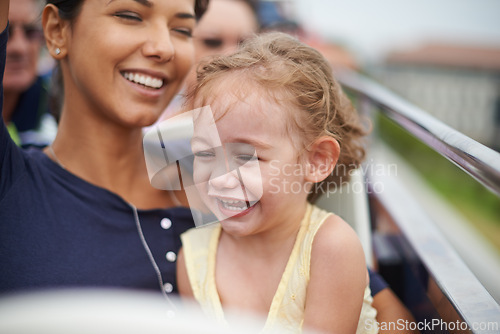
{"type": "Point", "coordinates": [336, 242]}
{"type": "Point", "coordinates": [338, 278]}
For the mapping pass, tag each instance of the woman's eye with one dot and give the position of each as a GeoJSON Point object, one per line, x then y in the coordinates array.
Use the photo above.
{"type": "Point", "coordinates": [129, 16]}
{"type": "Point", "coordinates": [185, 31]}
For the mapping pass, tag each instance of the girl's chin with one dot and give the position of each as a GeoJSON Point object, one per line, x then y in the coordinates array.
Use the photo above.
{"type": "Point", "coordinates": [234, 228]}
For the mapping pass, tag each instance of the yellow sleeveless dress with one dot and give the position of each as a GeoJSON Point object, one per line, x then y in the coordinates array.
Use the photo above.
{"type": "Point", "coordinates": [287, 307]}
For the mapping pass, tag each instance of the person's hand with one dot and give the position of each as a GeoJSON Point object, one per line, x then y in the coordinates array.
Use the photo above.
{"type": "Point", "coordinates": [4, 13]}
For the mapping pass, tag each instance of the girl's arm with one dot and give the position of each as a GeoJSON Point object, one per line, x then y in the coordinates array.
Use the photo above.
{"type": "Point", "coordinates": [338, 278]}
{"type": "Point", "coordinates": [4, 14]}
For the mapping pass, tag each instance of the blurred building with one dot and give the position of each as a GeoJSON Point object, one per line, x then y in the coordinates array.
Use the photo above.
{"type": "Point", "coordinates": [459, 85]}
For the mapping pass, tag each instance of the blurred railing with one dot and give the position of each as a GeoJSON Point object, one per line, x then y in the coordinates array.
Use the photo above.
{"type": "Point", "coordinates": [416, 259]}
{"type": "Point", "coordinates": [479, 161]}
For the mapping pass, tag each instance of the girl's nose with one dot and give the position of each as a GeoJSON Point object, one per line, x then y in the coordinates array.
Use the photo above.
{"type": "Point", "coordinates": [228, 180]}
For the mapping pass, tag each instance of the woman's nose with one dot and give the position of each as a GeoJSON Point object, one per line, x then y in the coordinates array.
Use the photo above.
{"type": "Point", "coordinates": [159, 46]}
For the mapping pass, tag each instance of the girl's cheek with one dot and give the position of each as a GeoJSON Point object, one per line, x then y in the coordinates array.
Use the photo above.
{"type": "Point", "coordinates": [253, 184]}
{"type": "Point", "coordinates": [201, 173]}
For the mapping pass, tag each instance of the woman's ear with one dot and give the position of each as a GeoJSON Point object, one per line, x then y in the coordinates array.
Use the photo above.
{"type": "Point", "coordinates": [55, 30]}
{"type": "Point", "coordinates": [322, 158]}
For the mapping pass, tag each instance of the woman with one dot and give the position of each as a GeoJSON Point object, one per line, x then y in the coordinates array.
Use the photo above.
{"type": "Point", "coordinates": [82, 212]}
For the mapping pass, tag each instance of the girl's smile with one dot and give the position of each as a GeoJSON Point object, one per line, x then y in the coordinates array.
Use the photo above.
{"type": "Point", "coordinates": [234, 209]}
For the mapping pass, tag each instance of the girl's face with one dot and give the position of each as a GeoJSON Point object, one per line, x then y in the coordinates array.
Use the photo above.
{"type": "Point", "coordinates": [247, 170]}
{"type": "Point", "coordinates": [126, 59]}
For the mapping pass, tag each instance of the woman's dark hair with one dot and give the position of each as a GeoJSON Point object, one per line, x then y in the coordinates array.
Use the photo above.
{"type": "Point", "coordinates": [69, 9]}
{"type": "Point", "coordinates": [200, 7]}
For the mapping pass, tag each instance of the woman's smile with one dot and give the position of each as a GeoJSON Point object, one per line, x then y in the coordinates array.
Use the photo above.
{"type": "Point", "coordinates": [147, 83]}
{"type": "Point", "coordinates": [145, 80]}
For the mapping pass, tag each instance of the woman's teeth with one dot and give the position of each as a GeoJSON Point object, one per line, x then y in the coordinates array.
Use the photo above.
{"type": "Point", "coordinates": [145, 80]}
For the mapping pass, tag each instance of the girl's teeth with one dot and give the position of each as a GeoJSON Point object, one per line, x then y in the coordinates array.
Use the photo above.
{"type": "Point", "coordinates": [144, 80]}
{"type": "Point", "coordinates": [240, 205]}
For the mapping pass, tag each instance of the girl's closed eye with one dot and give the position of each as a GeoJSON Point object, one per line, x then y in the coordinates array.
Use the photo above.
{"type": "Point", "coordinates": [204, 154]}
{"type": "Point", "coordinates": [243, 158]}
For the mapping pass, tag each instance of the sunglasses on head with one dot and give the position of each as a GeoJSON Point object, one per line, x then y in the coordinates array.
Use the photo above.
{"type": "Point", "coordinates": [31, 32]}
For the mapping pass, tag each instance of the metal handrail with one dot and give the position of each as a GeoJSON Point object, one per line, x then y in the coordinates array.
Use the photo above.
{"type": "Point", "coordinates": [466, 295]}
{"type": "Point", "coordinates": [479, 161]}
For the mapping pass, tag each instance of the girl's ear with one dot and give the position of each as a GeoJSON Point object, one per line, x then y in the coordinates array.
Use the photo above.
{"type": "Point", "coordinates": [322, 158]}
{"type": "Point", "coordinates": [55, 30]}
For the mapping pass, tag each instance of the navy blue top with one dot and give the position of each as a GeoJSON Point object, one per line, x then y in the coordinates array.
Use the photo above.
{"type": "Point", "coordinates": [57, 230]}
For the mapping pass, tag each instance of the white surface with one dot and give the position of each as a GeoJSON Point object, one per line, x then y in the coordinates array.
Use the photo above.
{"type": "Point", "coordinates": [91, 311]}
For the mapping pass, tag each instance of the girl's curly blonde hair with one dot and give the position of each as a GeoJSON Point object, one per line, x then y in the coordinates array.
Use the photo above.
{"type": "Point", "coordinates": [300, 75]}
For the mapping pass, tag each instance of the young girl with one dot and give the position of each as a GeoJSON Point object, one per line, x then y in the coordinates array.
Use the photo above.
{"type": "Point", "coordinates": [283, 128]}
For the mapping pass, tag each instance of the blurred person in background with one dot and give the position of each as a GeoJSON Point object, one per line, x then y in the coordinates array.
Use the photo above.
{"type": "Point", "coordinates": [25, 105]}
{"type": "Point", "coordinates": [225, 26]}
{"type": "Point", "coordinates": [222, 28]}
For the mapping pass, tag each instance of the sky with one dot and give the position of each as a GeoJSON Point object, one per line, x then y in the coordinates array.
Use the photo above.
{"type": "Point", "coordinates": [371, 28]}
